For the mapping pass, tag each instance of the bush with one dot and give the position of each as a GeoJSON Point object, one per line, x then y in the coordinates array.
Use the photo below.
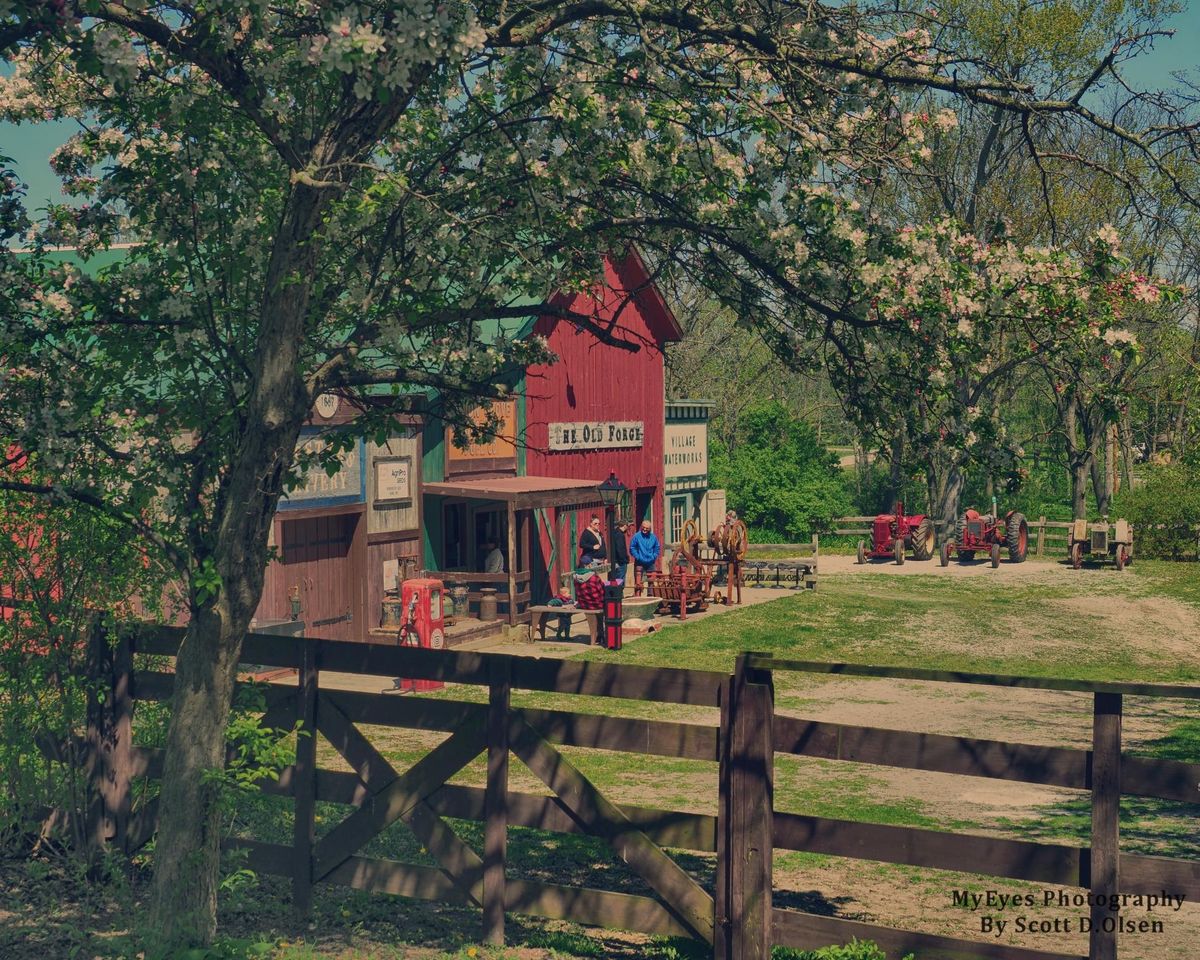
{"type": "Point", "coordinates": [779, 478]}
{"type": "Point", "coordinates": [1164, 511]}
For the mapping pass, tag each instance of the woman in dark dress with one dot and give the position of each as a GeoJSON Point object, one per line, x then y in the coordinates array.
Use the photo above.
{"type": "Point", "coordinates": [591, 544]}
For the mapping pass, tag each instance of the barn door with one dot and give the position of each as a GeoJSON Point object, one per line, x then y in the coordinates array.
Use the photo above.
{"type": "Point", "coordinates": [319, 562]}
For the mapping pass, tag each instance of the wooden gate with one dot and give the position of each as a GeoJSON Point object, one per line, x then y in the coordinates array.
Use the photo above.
{"type": "Point", "coordinates": [378, 795]}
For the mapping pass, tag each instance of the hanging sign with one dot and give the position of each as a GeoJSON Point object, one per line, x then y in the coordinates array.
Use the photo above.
{"type": "Point", "coordinates": [597, 435]}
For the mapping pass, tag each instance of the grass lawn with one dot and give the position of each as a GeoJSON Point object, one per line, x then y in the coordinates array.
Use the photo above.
{"type": "Point", "coordinates": [1088, 624]}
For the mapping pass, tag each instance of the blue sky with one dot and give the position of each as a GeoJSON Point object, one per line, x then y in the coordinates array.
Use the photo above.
{"type": "Point", "coordinates": [30, 145]}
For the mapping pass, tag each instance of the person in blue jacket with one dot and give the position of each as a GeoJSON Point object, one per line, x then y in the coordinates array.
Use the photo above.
{"type": "Point", "coordinates": [645, 549]}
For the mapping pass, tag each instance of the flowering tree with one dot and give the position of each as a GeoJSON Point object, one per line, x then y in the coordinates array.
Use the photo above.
{"type": "Point", "coordinates": [333, 196]}
{"type": "Point", "coordinates": [959, 320]}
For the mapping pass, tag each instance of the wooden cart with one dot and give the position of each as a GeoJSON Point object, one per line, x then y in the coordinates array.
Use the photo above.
{"type": "Point", "coordinates": [680, 589]}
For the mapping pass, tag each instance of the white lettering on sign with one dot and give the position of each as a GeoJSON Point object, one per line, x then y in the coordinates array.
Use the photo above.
{"type": "Point", "coordinates": [597, 435]}
{"type": "Point", "coordinates": [685, 450]}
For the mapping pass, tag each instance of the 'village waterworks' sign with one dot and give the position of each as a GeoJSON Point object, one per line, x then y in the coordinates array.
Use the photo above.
{"type": "Point", "coordinates": [685, 450]}
{"type": "Point", "coordinates": [597, 435]}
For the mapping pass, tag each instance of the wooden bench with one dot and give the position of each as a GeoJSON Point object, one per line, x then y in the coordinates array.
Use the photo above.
{"type": "Point", "coordinates": [539, 614]}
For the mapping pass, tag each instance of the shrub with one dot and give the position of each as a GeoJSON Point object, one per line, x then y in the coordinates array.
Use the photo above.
{"type": "Point", "coordinates": [1164, 511]}
{"type": "Point", "coordinates": [779, 478]}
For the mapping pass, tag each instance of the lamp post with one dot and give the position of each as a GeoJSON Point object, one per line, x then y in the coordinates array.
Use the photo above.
{"type": "Point", "coordinates": [610, 495]}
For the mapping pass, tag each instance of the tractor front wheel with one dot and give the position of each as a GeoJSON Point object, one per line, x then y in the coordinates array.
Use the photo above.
{"type": "Point", "coordinates": [1119, 557]}
{"type": "Point", "coordinates": [995, 555]}
{"type": "Point", "coordinates": [1077, 555]}
{"type": "Point", "coordinates": [1016, 537]}
{"type": "Point", "coordinates": [924, 540]}
{"type": "Point", "coordinates": [862, 552]}
{"type": "Point", "coordinates": [898, 551]}
{"type": "Point", "coordinates": [944, 555]}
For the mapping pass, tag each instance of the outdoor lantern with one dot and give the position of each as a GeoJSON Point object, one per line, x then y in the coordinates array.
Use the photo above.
{"type": "Point", "coordinates": [611, 490]}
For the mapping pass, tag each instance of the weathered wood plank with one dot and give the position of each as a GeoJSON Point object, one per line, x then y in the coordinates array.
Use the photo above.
{"type": "Point", "coordinates": [1106, 819]}
{"type": "Point", "coordinates": [495, 836]}
{"type": "Point", "coordinates": [459, 861]}
{"type": "Point", "coordinates": [1028, 763]}
{"type": "Point", "coordinates": [806, 931]}
{"type": "Point", "coordinates": [684, 897]}
{"type": "Point", "coordinates": [371, 767]}
{"type": "Point", "coordinates": [304, 784]}
{"type": "Point", "coordinates": [760, 661]}
{"type": "Point", "coordinates": [381, 810]}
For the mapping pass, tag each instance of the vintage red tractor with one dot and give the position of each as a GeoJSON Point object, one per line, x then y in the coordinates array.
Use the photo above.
{"type": "Point", "coordinates": [987, 533]}
{"type": "Point", "coordinates": [892, 534]}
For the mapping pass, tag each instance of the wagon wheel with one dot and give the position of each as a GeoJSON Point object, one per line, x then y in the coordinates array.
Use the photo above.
{"type": "Point", "coordinates": [737, 540]}
{"type": "Point", "coordinates": [689, 537]}
{"type": "Point", "coordinates": [1077, 555]}
{"type": "Point", "coordinates": [1119, 556]}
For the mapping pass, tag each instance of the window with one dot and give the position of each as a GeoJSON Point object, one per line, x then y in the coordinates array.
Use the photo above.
{"type": "Point", "coordinates": [678, 510]}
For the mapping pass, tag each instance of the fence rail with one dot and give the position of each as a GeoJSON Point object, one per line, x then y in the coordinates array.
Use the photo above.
{"type": "Point", "coordinates": [736, 916]}
{"type": "Point", "coordinates": [1046, 536]}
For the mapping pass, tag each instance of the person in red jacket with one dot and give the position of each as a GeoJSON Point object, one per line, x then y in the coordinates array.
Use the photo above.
{"type": "Point", "coordinates": [589, 590]}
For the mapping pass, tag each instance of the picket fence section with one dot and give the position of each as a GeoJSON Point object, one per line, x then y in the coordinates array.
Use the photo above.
{"type": "Point", "coordinates": [736, 916]}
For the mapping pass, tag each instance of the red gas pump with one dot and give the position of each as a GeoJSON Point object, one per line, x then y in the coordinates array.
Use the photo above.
{"type": "Point", "coordinates": [423, 625]}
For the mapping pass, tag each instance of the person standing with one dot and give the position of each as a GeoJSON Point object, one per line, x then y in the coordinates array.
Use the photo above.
{"type": "Point", "coordinates": [620, 552]}
{"type": "Point", "coordinates": [591, 543]}
{"type": "Point", "coordinates": [646, 549]}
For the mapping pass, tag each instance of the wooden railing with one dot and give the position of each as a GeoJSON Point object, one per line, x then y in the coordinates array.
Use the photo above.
{"type": "Point", "coordinates": [1104, 771]}
{"type": "Point", "coordinates": [737, 917]}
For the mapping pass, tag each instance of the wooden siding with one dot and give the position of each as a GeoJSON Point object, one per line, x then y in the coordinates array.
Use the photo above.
{"type": "Point", "coordinates": [396, 518]}
{"type": "Point", "coordinates": [593, 380]}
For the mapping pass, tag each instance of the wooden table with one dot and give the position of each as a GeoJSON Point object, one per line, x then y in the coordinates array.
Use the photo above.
{"type": "Point", "coordinates": [538, 615]}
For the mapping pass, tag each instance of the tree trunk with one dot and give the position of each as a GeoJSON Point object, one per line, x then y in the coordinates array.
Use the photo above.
{"type": "Point", "coordinates": [187, 858]}
{"type": "Point", "coordinates": [945, 480]}
{"type": "Point", "coordinates": [896, 474]}
{"type": "Point", "coordinates": [187, 851]}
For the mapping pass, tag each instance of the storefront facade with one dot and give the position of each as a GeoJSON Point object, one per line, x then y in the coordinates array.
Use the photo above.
{"type": "Point", "coordinates": [685, 464]}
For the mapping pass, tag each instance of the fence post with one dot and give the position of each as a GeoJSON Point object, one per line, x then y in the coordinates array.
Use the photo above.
{"type": "Point", "coordinates": [745, 834]}
{"type": "Point", "coordinates": [304, 831]}
{"type": "Point", "coordinates": [1041, 544]}
{"type": "Point", "coordinates": [1106, 811]}
{"type": "Point", "coordinates": [107, 743]}
{"type": "Point", "coordinates": [495, 802]}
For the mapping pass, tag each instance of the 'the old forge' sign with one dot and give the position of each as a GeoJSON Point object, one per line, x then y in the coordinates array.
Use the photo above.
{"type": "Point", "coordinates": [597, 435]}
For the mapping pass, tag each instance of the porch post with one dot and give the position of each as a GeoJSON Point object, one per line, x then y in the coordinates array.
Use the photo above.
{"type": "Point", "coordinates": [512, 563]}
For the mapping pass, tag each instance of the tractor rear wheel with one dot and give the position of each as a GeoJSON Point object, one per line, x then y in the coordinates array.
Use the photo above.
{"type": "Point", "coordinates": [1077, 555]}
{"type": "Point", "coordinates": [944, 556]}
{"type": "Point", "coordinates": [1016, 536]}
{"type": "Point", "coordinates": [898, 551]}
{"type": "Point", "coordinates": [924, 540]}
{"type": "Point", "coordinates": [995, 555]}
{"type": "Point", "coordinates": [862, 552]}
{"type": "Point", "coordinates": [1119, 556]}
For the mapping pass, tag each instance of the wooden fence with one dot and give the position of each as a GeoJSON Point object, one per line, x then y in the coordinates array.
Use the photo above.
{"type": "Point", "coordinates": [1047, 537]}
{"type": "Point", "coordinates": [737, 918]}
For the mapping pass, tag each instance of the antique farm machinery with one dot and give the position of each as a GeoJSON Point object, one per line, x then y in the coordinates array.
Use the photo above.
{"type": "Point", "coordinates": [987, 533]}
{"type": "Point", "coordinates": [893, 534]}
{"type": "Point", "coordinates": [1101, 542]}
{"type": "Point", "coordinates": [690, 574]}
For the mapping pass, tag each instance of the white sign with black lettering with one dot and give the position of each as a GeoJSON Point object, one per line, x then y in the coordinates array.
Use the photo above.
{"type": "Point", "coordinates": [685, 450]}
{"type": "Point", "coordinates": [597, 435]}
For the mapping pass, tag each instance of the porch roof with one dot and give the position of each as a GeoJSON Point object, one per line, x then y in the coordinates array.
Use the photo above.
{"type": "Point", "coordinates": [522, 493]}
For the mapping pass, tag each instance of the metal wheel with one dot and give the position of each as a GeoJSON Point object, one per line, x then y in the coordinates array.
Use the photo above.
{"type": "Point", "coordinates": [1119, 556]}
{"type": "Point", "coordinates": [739, 540]}
{"type": "Point", "coordinates": [944, 556]}
{"type": "Point", "coordinates": [1077, 555]}
{"type": "Point", "coordinates": [995, 555]}
{"type": "Point", "coordinates": [690, 533]}
{"type": "Point", "coordinates": [898, 552]}
{"type": "Point", "coordinates": [862, 552]}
